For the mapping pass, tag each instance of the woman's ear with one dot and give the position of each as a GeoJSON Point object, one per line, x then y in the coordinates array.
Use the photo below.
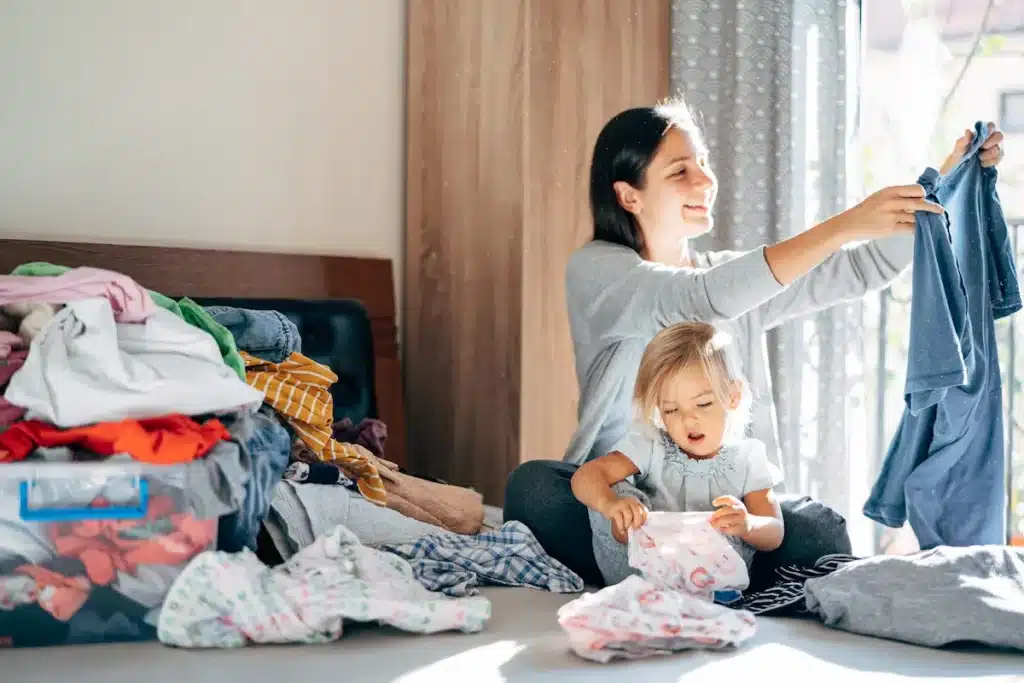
{"type": "Point", "coordinates": [628, 196]}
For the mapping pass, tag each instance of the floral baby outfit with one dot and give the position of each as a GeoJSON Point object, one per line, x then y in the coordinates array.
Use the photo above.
{"type": "Point", "coordinates": [683, 562]}
{"type": "Point", "coordinates": [225, 600]}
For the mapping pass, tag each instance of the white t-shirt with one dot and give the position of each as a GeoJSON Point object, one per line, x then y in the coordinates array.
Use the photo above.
{"type": "Point", "coordinates": [85, 368]}
{"type": "Point", "coordinates": [678, 483]}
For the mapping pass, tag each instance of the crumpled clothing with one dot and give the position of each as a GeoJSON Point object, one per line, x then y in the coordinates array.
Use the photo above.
{"type": "Point", "coordinates": [637, 618]}
{"type": "Point", "coordinates": [165, 440]}
{"type": "Point", "coordinates": [267, 334]}
{"type": "Point", "coordinates": [683, 562]}
{"type": "Point", "coordinates": [148, 583]}
{"type": "Point", "coordinates": [107, 547]}
{"type": "Point", "coordinates": [786, 596]}
{"type": "Point", "coordinates": [86, 368]}
{"type": "Point", "coordinates": [613, 558]}
{"type": "Point", "coordinates": [186, 309]}
{"type": "Point", "coordinates": [321, 473]}
{"type": "Point", "coordinates": [17, 590]}
{"type": "Point", "coordinates": [454, 508]}
{"type": "Point", "coordinates": [682, 551]}
{"type": "Point", "coordinates": [457, 509]}
{"type": "Point", "coordinates": [9, 342]}
{"type": "Point", "coordinates": [8, 323]}
{"type": "Point", "coordinates": [937, 598]}
{"type": "Point", "coordinates": [130, 302]}
{"type": "Point", "coordinates": [371, 434]}
{"type": "Point", "coordinates": [31, 318]}
{"type": "Point", "coordinates": [56, 593]}
{"type": "Point", "coordinates": [10, 413]}
{"type": "Point", "coordinates": [265, 445]}
{"type": "Point", "coordinates": [511, 556]}
{"type": "Point", "coordinates": [223, 600]}
{"type": "Point", "coordinates": [301, 513]}
{"type": "Point", "coordinates": [299, 390]}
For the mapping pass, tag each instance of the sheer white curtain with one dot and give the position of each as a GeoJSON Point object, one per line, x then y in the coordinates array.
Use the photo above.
{"type": "Point", "coordinates": [775, 85]}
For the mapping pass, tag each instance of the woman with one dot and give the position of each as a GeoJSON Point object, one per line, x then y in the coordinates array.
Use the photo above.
{"type": "Point", "coordinates": [651, 191]}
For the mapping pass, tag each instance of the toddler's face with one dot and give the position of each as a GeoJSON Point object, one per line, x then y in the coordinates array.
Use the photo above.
{"type": "Point", "coordinates": [694, 414]}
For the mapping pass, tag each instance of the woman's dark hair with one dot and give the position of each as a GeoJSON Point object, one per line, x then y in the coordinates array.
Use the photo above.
{"type": "Point", "coordinates": [623, 151]}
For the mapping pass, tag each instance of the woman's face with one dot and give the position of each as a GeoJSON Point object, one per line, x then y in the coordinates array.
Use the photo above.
{"type": "Point", "coordinates": [679, 191]}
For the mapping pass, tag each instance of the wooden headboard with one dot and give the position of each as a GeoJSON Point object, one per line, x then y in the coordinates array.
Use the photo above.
{"type": "Point", "coordinates": [238, 274]}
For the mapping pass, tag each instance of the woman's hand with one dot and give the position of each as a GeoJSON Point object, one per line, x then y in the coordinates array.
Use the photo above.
{"type": "Point", "coordinates": [886, 212]}
{"type": "Point", "coordinates": [731, 517]}
{"type": "Point", "coordinates": [991, 150]}
{"type": "Point", "coordinates": [624, 514]}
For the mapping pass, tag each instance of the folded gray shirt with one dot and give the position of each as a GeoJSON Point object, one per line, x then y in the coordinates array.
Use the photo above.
{"type": "Point", "coordinates": [937, 597]}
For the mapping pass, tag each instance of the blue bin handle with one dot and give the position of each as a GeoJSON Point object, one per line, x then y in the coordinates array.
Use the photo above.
{"type": "Point", "coordinates": [83, 513]}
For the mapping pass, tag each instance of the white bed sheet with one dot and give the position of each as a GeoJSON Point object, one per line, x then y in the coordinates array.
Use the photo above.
{"type": "Point", "coordinates": [521, 643]}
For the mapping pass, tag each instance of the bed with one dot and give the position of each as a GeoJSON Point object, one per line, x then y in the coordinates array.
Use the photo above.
{"type": "Point", "coordinates": [353, 326]}
{"type": "Point", "coordinates": [521, 643]}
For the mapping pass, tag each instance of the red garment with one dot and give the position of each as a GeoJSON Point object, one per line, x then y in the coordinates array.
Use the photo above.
{"type": "Point", "coordinates": [159, 440]}
{"type": "Point", "coordinates": [59, 595]}
{"type": "Point", "coordinates": [106, 547]}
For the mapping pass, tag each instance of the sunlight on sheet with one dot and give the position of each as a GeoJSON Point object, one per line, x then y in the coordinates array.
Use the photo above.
{"type": "Point", "coordinates": [484, 662]}
{"type": "Point", "coordinates": [753, 661]}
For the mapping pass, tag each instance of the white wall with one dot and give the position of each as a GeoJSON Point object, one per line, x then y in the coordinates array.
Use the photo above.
{"type": "Point", "coordinates": [256, 124]}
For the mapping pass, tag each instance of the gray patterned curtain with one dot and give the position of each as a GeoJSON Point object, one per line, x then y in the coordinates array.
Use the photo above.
{"type": "Point", "coordinates": [774, 84]}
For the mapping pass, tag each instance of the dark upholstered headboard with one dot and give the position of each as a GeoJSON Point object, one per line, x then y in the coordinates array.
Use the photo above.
{"type": "Point", "coordinates": [344, 308]}
{"type": "Point", "coordinates": [337, 334]}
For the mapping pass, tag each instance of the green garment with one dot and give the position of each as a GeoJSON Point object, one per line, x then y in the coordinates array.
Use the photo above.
{"type": "Point", "coordinates": [186, 309]}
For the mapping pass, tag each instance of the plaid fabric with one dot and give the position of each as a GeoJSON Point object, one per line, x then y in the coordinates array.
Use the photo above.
{"type": "Point", "coordinates": [298, 388]}
{"type": "Point", "coordinates": [510, 556]}
{"type": "Point", "coordinates": [786, 596]}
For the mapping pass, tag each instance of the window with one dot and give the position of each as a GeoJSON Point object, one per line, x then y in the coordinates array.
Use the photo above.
{"type": "Point", "coordinates": [1011, 111]}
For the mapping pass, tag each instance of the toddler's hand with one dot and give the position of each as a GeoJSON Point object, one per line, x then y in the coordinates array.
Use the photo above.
{"type": "Point", "coordinates": [731, 516]}
{"type": "Point", "coordinates": [624, 514]}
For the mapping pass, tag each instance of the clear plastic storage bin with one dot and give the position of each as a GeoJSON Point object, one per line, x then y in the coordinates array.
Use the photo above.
{"type": "Point", "coordinates": [89, 550]}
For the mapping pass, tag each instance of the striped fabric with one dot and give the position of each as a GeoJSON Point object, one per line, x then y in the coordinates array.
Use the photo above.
{"type": "Point", "coordinates": [298, 390]}
{"type": "Point", "coordinates": [785, 597]}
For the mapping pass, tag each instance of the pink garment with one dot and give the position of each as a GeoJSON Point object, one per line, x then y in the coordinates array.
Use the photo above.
{"type": "Point", "coordinates": [681, 550]}
{"type": "Point", "coordinates": [670, 608]}
{"type": "Point", "coordinates": [10, 413]}
{"type": "Point", "coordinates": [131, 303]}
{"type": "Point", "coordinates": [8, 342]}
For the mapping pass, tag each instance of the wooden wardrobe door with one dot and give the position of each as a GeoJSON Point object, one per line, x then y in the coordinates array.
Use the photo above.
{"type": "Point", "coordinates": [505, 100]}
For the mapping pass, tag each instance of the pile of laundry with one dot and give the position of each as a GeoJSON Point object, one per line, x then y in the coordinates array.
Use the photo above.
{"type": "Point", "coordinates": [104, 382]}
{"type": "Point", "coordinates": [145, 441]}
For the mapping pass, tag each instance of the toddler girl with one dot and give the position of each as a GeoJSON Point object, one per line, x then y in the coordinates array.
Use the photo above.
{"type": "Point", "coordinates": [685, 451]}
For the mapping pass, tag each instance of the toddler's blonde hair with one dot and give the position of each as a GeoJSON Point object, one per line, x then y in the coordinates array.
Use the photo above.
{"type": "Point", "coordinates": [681, 346]}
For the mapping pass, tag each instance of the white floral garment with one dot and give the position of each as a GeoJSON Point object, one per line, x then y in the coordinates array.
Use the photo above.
{"type": "Point", "coordinates": [228, 600]}
{"type": "Point", "coordinates": [683, 562]}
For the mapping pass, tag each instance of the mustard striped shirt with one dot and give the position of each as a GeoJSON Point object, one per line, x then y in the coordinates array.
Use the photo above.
{"type": "Point", "coordinates": [298, 390]}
